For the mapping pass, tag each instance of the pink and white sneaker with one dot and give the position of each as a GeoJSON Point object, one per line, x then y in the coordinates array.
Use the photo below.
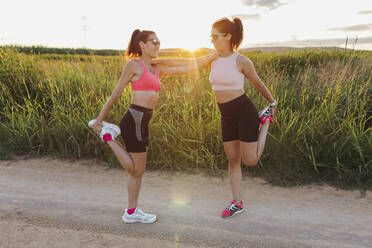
{"type": "Point", "coordinates": [232, 209]}
{"type": "Point", "coordinates": [108, 132]}
{"type": "Point", "coordinates": [266, 114]}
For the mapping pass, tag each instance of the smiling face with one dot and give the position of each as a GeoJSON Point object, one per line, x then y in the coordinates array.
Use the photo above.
{"type": "Point", "coordinates": [221, 41]}
{"type": "Point", "coordinates": [151, 46]}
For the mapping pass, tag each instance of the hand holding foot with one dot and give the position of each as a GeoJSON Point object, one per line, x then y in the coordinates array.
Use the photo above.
{"type": "Point", "coordinates": [96, 126]}
{"type": "Point", "coordinates": [106, 131]}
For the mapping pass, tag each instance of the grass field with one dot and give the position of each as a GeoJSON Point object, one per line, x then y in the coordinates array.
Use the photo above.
{"type": "Point", "coordinates": [322, 130]}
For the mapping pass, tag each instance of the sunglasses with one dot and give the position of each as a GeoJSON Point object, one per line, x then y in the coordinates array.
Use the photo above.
{"type": "Point", "coordinates": [154, 41]}
{"type": "Point", "coordinates": [214, 37]}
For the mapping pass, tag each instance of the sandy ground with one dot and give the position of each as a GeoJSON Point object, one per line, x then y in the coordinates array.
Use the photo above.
{"type": "Point", "coordinates": [52, 203]}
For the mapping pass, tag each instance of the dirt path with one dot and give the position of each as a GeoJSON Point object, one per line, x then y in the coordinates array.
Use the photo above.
{"type": "Point", "coordinates": [52, 203]}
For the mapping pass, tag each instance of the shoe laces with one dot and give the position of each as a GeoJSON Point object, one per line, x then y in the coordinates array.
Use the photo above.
{"type": "Point", "coordinates": [141, 213]}
{"type": "Point", "coordinates": [232, 206]}
{"type": "Point", "coordinates": [268, 112]}
{"type": "Point", "coordinates": [109, 130]}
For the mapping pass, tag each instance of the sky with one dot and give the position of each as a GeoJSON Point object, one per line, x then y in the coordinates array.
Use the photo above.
{"type": "Point", "coordinates": [185, 24]}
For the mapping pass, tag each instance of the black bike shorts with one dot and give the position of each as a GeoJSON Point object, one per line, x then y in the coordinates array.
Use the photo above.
{"type": "Point", "coordinates": [134, 128]}
{"type": "Point", "coordinates": [239, 120]}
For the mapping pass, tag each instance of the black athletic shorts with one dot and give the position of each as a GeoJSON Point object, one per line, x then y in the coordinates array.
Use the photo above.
{"type": "Point", "coordinates": [239, 120]}
{"type": "Point", "coordinates": [134, 128]}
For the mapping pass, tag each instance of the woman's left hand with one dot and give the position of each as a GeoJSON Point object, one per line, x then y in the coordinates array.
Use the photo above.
{"type": "Point", "coordinates": [97, 126]}
{"type": "Point", "coordinates": [273, 109]}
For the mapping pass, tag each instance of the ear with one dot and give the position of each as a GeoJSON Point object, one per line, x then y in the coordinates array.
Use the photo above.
{"type": "Point", "coordinates": [228, 36]}
{"type": "Point", "coordinates": [142, 45]}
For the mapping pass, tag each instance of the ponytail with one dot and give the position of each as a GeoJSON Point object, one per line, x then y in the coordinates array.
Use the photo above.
{"type": "Point", "coordinates": [238, 37]}
{"type": "Point", "coordinates": [134, 49]}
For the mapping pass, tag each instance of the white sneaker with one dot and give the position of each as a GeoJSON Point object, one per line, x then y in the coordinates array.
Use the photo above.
{"type": "Point", "coordinates": [107, 128]}
{"type": "Point", "coordinates": [138, 216]}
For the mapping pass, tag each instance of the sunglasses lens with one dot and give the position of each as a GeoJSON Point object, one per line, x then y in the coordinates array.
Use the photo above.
{"type": "Point", "coordinates": [215, 37]}
{"type": "Point", "coordinates": [154, 41]}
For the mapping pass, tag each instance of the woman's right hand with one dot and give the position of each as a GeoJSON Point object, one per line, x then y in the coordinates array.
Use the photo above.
{"type": "Point", "coordinates": [97, 126]}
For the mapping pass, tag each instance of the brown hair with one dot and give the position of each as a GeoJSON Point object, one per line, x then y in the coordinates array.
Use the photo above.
{"type": "Point", "coordinates": [134, 49]}
{"type": "Point", "coordinates": [235, 28]}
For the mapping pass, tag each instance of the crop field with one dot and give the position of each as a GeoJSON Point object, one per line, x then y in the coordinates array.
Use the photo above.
{"type": "Point", "coordinates": [322, 130]}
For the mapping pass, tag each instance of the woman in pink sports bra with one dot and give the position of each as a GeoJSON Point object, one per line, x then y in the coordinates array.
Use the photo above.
{"type": "Point", "coordinates": [142, 49]}
{"type": "Point", "coordinates": [243, 135]}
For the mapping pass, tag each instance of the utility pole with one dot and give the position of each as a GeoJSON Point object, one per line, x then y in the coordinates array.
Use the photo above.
{"type": "Point", "coordinates": [84, 32]}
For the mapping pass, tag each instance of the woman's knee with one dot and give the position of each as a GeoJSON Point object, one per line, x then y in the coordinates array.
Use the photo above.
{"type": "Point", "coordinates": [137, 172]}
{"type": "Point", "coordinates": [250, 161]}
{"type": "Point", "coordinates": [234, 161]}
{"type": "Point", "coordinates": [139, 164]}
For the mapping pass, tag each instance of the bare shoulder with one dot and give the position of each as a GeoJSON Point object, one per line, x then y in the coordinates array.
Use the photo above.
{"type": "Point", "coordinates": [242, 61]}
{"type": "Point", "coordinates": [133, 65]}
{"type": "Point", "coordinates": [245, 65]}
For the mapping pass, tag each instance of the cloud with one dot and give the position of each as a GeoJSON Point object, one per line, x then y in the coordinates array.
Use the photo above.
{"type": "Point", "coordinates": [361, 27]}
{"type": "Point", "coordinates": [269, 4]}
{"type": "Point", "coordinates": [254, 17]}
{"type": "Point", "coordinates": [316, 42]}
{"type": "Point", "coordinates": [365, 12]}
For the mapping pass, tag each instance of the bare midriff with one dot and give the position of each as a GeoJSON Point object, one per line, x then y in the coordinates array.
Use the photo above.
{"type": "Point", "coordinates": [223, 96]}
{"type": "Point", "coordinates": [144, 98]}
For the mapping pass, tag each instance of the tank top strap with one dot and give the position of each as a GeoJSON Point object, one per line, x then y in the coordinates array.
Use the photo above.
{"type": "Point", "coordinates": [235, 57]}
{"type": "Point", "coordinates": [145, 68]}
{"type": "Point", "coordinates": [143, 65]}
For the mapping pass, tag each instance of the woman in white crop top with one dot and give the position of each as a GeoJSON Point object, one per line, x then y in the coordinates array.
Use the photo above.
{"type": "Point", "coordinates": [242, 133]}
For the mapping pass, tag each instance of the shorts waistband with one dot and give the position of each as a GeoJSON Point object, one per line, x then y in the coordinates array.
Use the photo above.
{"type": "Point", "coordinates": [233, 101]}
{"type": "Point", "coordinates": [140, 108]}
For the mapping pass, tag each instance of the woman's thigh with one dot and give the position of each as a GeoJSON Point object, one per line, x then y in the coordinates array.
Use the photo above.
{"type": "Point", "coordinates": [232, 150]}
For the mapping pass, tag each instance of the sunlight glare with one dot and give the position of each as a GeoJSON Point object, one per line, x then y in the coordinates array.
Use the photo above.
{"type": "Point", "coordinates": [179, 197]}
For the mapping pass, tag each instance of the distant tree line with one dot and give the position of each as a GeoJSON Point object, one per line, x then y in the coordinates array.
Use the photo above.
{"type": "Point", "coordinates": [71, 51]}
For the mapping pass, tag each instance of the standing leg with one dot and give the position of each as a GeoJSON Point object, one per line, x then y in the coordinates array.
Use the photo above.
{"type": "Point", "coordinates": [133, 213]}
{"type": "Point", "coordinates": [232, 150]}
{"type": "Point", "coordinates": [135, 179]}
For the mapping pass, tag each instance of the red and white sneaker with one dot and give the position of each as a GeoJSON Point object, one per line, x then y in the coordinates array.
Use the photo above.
{"type": "Point", "coordinates": [266, 114]}
{"type": "Point", "coordinates": [107, 129]}
{"type": "Point", "coordinates": [232, 209]}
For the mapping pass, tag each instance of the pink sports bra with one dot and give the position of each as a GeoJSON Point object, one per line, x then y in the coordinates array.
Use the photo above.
{"type": "Point", "coordinates": [225, 75]}
{"type": "Point", "coordinates": [147, 81]}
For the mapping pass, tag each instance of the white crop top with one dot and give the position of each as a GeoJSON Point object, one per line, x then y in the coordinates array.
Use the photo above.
{"type": "Point", "coordinates": [225, 75]}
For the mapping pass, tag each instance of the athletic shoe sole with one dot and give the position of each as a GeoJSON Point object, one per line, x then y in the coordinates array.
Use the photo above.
{"type": "Point", "coordinates": [137, 221]}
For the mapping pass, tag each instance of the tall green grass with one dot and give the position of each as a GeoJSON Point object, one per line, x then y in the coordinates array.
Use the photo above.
{"type": "Point", "coordinates": [322, 129]}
